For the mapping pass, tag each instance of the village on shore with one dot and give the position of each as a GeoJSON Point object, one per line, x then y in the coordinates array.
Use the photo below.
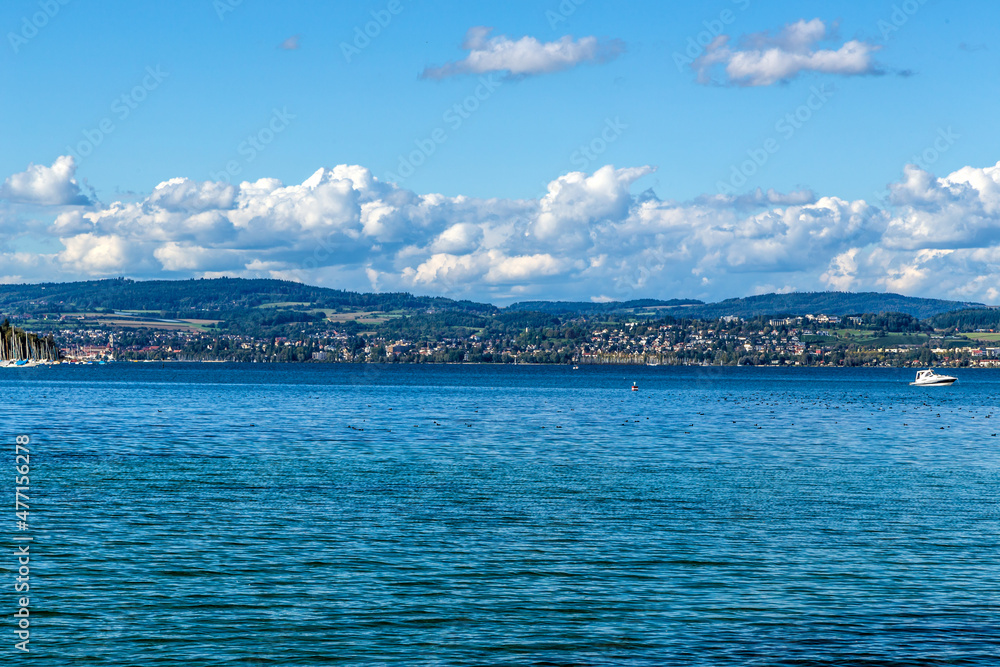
{"type": "Point", "coordinates": [812, 340]}
{"type": "Point", "coordinates": [269, 321]}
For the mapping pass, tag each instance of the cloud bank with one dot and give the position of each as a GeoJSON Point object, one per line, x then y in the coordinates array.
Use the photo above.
{"type": "Point", "coordinates": [525, 56]}
{"type": "Point", "coordinates": [765, 59]}
{"type": "Point", "coordinates": [588, 237]}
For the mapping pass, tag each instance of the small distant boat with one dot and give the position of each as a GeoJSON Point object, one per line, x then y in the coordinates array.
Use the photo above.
{"type": "Point", "coordinates": [635, 387]}
{"type": "Point", "coordinates": [576, 368]}
{"type": "Point", "coordinates": [929, 378]}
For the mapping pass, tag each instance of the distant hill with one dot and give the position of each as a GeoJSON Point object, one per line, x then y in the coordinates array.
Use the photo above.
{"type": "Point", "coordinates": [232, 298]}
{"type": "Point", "coordinates": [828, 303]}
{"type": "Point", "coordinates": [218, 294]}
{"type": "Point", "coordinates": [586, 307]}
{"type": "Point", "coordinates": [796, 303]}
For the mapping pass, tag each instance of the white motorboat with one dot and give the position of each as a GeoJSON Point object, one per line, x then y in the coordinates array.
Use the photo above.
{"type": "Point", "coordinates": [929, 378]}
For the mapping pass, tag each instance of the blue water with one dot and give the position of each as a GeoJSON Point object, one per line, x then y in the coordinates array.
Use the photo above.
{"type": "Point", "coordinates": [220, 514]}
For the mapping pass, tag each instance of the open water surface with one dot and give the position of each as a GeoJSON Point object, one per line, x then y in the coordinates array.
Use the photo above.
{"type": "Point", "coordinates": [257, 514]}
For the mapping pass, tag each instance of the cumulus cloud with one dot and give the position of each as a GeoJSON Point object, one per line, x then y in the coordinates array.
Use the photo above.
{"type": "Point", "coordinates": [492, 267]}
{"type": "Point", "coordinates": [961, 210]}
{"type": "Point", "coordinates": [70, 223]}
{"type": "Point", "coordinates": [759, 197]}
{"type": "Point", "coordinates": [45, 186]}
{"type": "Point", "coordinates": [459, 238]}
{"type": "Point", "coordinates": [183, 194]}
{"type": "Point", "coordinates": [942, 238]}
{"type": "Point", "coordinates": [589, 236]}
{"type": "Point", "coordinates": [575, 201]}
{"type": "Point", "coordinates": [764, 59]}
{"type": "Point", "coordinates": [95, 255]}
{"type": "Point", "coordinates": [525, 56]}
{"type": "Point", "coordinates": [525, 268]}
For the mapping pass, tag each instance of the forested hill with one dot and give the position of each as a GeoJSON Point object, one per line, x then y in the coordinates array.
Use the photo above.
{"type": "Point", "coordinates": [827, 303]}
{"type": "Point", "coordinates": [797, 303]}
{"type": "Point", "coordinates": [968, 320]}
{"type": "Point", "coordinates": [231, 296]}
{"type": "Point", "coordinates": [218, 294]}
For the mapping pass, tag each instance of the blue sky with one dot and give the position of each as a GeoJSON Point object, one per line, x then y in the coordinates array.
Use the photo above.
{"type": "Point", "coordinates": [143, 94]}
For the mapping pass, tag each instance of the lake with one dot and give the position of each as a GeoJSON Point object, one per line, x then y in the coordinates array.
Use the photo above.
{"type": "Point", "coordinates": [320, 514]}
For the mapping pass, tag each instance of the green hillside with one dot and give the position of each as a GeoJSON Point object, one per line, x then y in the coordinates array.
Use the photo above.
{"type": "Point", "coordinates": [219, 294]}
{"type": "Point", "coordinates": [259, 306]}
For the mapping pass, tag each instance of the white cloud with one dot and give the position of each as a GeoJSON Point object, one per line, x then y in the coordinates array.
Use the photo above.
{"type": "Point", "coordinates": [576, 200]}
{"type": "Point", "coordinates": [183, 194]}
{"type": "Point", "coordinates": [45, 186]}
{"type": "Point", "coordinates": [961, 210]}
{"type": "Point", "coordinates": [174, 256]}
{"type": "Point", "coordinates": [447, 270]}
{"type": "Point", "coordinates": [588, 237]}
{"type": "Point", "coordinates": [95, 255]}
{"type": "Point", "coordinates": [524, 268]}
{"type": "Point", "coordinates": [766, 59]}
{"type": "Point", "coordinates": [70, 223]}
{"type": "Point", "coordinates": [459, 238]}
{"type": "Point", "coordinates": [525, 56]}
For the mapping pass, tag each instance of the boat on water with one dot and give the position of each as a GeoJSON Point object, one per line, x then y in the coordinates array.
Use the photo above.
{"type": "Point", "coordinates": [929, 378]}
{"type": "Point", "coordinates": [21, 363]}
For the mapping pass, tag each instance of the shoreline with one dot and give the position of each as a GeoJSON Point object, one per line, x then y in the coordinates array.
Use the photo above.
{"type": "Point", "coordinates": [579, 366]}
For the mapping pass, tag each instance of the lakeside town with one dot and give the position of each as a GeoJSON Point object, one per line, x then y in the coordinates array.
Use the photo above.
{"type": "Point", "coordinates": [811, 340]}
{"type": "Point", "coordinates": [272, 321]}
